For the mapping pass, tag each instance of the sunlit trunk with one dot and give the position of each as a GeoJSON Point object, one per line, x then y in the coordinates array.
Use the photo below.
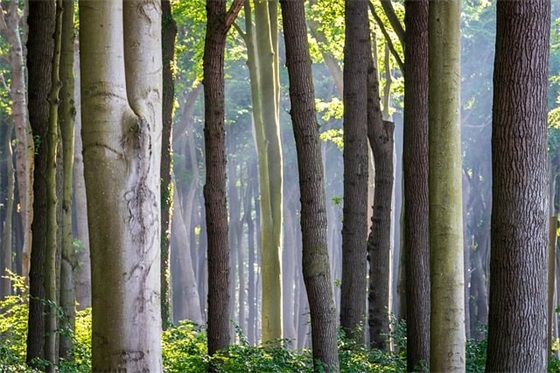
{"type": "Point", "coordinates": [122, 124]}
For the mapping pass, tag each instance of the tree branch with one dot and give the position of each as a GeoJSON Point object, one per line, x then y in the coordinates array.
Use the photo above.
{"type": "Point", "coordinates": [232, 13]}
{"type": "Point", "coordinates": [387, 37]}
{"type": "Point", "coordinates": [396, 24]}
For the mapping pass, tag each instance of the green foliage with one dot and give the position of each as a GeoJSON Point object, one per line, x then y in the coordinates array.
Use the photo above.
{"type": "Point", "coordinates": [334, 135]}
{"type": "Point", "coordinates": [184, 348]}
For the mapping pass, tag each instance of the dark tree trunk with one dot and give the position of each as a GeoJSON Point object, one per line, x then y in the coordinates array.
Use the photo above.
{"type": "Point", "coordinates": [217, 27]}
{"type": "Point", "coordinates": [354, 229]}
{"type": "Point", "coordinates": [40, 51]}
{"type": "Point", "coordinates": [415, 174]}
{"type": "Point", "coordinates": [168, 33]}
{"type": "Point", "coordinates": [380, 135]}
{"type": "Point", "coordinates": [517, 324]}
{"type": "Point", "coordinates": [415, 178]}
{"type": "Point", "coordinates": [316, 264]}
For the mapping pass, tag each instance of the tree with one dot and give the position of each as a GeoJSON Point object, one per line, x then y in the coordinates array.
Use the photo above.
{"type": "Point", "coordinates": [10, 28]}
{"type": "Point", "coordinates": [67, 114]}
{"type": "Point", "coordinates": [316, 266]}
{"type": "Point", "coordinates": [218, 24]}
{"type": "Point", "coordinates": [354, 230]}
{"type": "Point", "coordinates": [121, 97]}
{"type": "Point", "coordinates": [517, 324]}
{"type": "Point", "coordinates": [415, 174]}
{"type": "Point", "coordinates": [380, 136]}
{"type": "Point", "coordinates": [40, 51]}
{"type": "Point", "coordinates": [168, 35]}
{"type": "Point", "coordinates": [262, 54]}
{"type": "Point", "coordinates": [447, 316]}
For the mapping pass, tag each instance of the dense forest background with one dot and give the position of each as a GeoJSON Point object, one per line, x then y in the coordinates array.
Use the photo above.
{"type": "Point", "coordinates": [264, 306]}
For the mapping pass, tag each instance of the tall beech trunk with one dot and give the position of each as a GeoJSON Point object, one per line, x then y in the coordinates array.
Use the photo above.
{"type": "Point", "coordinates": [82, 273]}
{"type": "Point", "coordinates": [517, 323]}
{"type": "Point", "coordinates": [122, 124]}
{"type": "Point", "coordinates": [40, 51]}
{"type": "Point", "coordinates": [354, 229]}
{"type": "Point", "coordinates": [415, 178]}
{"type": "Point", "coordinates": [316, 263]}
{"type": "Point", "coordinates": [218, 24]}
{"type": "Point", "coordinates": [262, 53]}
{"type": "Point", "coordinates": [67, 113]}
{"type": "Point", "coordinates": [447, 312]}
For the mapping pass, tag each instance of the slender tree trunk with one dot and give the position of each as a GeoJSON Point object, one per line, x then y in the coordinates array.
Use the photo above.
{"type": "Point", "coordinates": [10, 28]}
{"type": "Point", "coordinates": [122, 124]}
{"type": "Point", "coordinates": [218, 24]}
{"type": "Point", "coordinates": [415, 178]}
{"type": "Point", "coordinates": [316, 263]}
{"type": "Point", "coordinates": [447, 316]}
{"type": "Point", "coordinates": [189, 306]}
{"type": "Point", "coordinates": [40, 51]}
{"type": "Point", "coordinates": [6, 246]}
{"type": "Point", "coordinates": [51, 255]}
{"type": "Point", "coordinates": [168, 34]}
{"type": "Point", "coordinates": [354, 230]}
{"type": "Point", "coordinates": [263, 67]}
{"type": "Point", "coordinates": [67, 113]}
{"type": "Point", "coordinates": [517, 324]}
{"type": "Point", "coordinates": [380, 135]}
{"type": "Point", "coordinates": [83, 263]}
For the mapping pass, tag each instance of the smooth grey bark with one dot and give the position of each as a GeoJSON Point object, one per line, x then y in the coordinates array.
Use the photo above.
{"type": "Point", "coordinates": [122, 123]}
{"type": "Point", "coordinates": [447, 308]}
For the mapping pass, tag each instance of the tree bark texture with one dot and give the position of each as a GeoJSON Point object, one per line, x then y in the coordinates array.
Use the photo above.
{"type": "Point", "coordinates": [354, 229]}
{"type": "Point", "coordinates": [517, 325]}
{"type": "Point", "coordinates": [40, 50]}
{"type": "Point", "coordinates": [122, 124]}
{"type": "Point", "coordinates": [316, 263]}
{"type": "Point", "coordinates": [447, 317]}
{"type": "Point", "coordinates": [380, 135]}
{"type": "Point", "coordinates": [218, 23]}
{"type": "Point", "coordinates": [415, 179]}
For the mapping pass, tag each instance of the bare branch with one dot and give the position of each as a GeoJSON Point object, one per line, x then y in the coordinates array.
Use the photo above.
{"type": "Point", "coordinates": [396, 24]}
{"type": "Point", "coordinates": [387, 37]}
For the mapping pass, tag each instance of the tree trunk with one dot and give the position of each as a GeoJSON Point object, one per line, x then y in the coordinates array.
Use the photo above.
{"type": "Point", "coordinates": [447, 316]}
{"type": "Point", "coordinates": [218, 24]}
{"type": "Point", "coordinates": [262, 61]}
{"type": "Point", "coordinates": [83, 261]}
{"type": "Point", "coordinates": [10, 29]}
{"type": "Point", "coordinates": [517, 324]}
{"type": "Point", "coordinates": [380, 135]}
{"type": "Point", "coordinates": [415, 179]}
{"type": "Point", "coordinates": [6, 246]}
{"type": "Point", "coordinates": [354, 229]}
{"type": "Point", "coordinates": [40, 50]}
{"type": "Point", "coordinates": [121, 93]}
{"type": "Point", "coordinates": [189, 306]}
{"type": "Point", "coordinates": [67, 113]}
{"type": "Point", "coordinates": [316, 263]}
{"type": "Point", "coordinates": [168, 34]}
